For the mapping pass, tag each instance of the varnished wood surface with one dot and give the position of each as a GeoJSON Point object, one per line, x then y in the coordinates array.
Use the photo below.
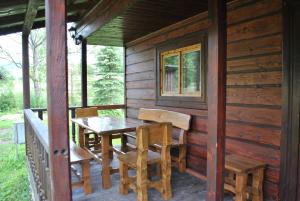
{"type": "Point", "coordinates": [253, 110]}
{"type": "Point", "coordinates": [241, 164]}
{"type": "Point", "coordinates": [108, 125]}
{"type": "Point", "coordinates": [78, 154]}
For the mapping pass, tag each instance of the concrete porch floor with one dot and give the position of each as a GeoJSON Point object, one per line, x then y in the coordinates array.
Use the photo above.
{"type": "Point", "coordinates": [184, 188]}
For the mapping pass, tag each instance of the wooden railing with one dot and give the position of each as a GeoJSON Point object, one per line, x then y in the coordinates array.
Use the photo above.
{"type": "Point", "coordinates": [37, 152]}
{"type": "Point", "coordinates": [72, 109]}
{"type": "Point", "coordinates": [37, 149]}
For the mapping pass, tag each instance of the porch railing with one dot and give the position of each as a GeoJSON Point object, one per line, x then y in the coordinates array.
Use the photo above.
{"type": "Point", "coordinates": [37, 152]}
{"type": "Point", "coordinates": [37, 149]}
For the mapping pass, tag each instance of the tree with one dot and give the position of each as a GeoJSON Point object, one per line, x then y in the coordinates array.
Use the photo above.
{"type": "Point", "coordinates": [37, 46]}
{"type": "Point", "coordinates": [109, 85]}
{"type": "Point", "coordinates": [7, 99]}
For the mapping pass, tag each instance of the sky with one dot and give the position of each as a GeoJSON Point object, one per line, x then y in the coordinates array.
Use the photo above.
{"type": "Point", "coordinates": [13, 44]}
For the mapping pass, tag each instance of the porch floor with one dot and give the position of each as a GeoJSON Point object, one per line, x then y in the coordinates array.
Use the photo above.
{"type": "Point", "coordinates": [184, 187]}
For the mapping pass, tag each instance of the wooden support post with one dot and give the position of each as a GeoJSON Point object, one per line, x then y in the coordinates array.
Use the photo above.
{"type": "Point", "coordinates": [216, 100]}
{"type": "Point", "coordinates": [25, 71]}
{"type": "Point", "coordinates": [84, 99]}
{"type": "Point", "coordinates": [57, 88]}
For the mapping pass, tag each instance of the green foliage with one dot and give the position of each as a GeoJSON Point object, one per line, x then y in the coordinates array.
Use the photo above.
{"type": "Point", "coordinates": [14, 184]}
{"type": "Point", "coordinates": [7, 98]}
{"type": "Point", "coordinates": [109, 86]}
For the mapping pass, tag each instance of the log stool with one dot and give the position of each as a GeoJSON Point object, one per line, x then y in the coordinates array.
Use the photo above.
{"type": "Point", "coordinates": [239, 170]}
{"type": "Point", "coordinates": [80, 156]}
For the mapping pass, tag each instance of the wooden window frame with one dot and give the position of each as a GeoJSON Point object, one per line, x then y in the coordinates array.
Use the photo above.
{"type": "Point", "coordinates": [182, 100]}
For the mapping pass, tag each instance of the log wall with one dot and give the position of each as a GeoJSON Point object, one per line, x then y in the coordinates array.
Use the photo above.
{"type": "Point", "coordinates": [254, 81]}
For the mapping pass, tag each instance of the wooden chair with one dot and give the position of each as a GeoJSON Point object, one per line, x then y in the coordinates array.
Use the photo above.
{"type": "Point", "coordinates": [181, 124]}
{"type": "Point", "coordinates": [140, 159]}
{"type": "Point", "coordinates": [91, 140]}
{"type": "Point", "coordinates": [82, 157]}
{"type": "Point", "coordinates": [240, 169]}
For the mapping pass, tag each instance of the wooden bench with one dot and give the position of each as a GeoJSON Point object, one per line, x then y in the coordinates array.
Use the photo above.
{"type": "Point", "coordinates": [240, 169]}
{"type": "Point", "coordinates": [180, 123]}
{"type": "Point", "coordinates": [82, 157]}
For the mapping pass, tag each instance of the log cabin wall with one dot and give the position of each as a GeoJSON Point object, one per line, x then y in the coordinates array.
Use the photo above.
{"type": "Point", "coordinates": [254, 71]}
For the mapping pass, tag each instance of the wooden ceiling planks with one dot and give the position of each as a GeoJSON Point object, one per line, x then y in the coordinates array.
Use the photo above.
{"type": "Point", "coordinates": [144, 17]}
{"type": "Point", "coordinates": [13, 12]}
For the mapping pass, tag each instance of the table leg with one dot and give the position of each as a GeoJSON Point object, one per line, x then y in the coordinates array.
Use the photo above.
{"type": "Point", "coordinates": [105, 162]}
{"type": "Point", "coordinates": [81, 136]}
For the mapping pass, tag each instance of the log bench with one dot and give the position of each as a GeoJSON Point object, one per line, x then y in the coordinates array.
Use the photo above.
{"type": "Point", "coordinates": [239, 170]}
{"type": "Point", "coordinates": [80, 156]}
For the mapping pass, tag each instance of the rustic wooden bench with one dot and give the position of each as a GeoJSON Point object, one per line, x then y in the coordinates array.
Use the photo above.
{"type": "Point", "coordinates": [82, 157]}
{"type": "Point", "coordinates": [181, 124]}
{"type": "Point", "coordinates": [239, 169]}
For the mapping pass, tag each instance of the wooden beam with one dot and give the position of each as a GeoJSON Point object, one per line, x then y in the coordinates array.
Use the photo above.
{"type": "Point", "coordinates": [84, 96]}
{"type": "Point", "coordinates": [30, 15]}
{"type": "Point", "coordinates": [216, 100]}
{"type": "Point", "coordinates": [57, 94]}
{"type": "Point", "coordinates": [25, 72]}
{"type": "Point", "coordinates": [290, 150]}
{"type": "Point", "coordinates": [101, 14]}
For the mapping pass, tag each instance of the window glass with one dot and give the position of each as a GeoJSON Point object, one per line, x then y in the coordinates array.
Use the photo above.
{"type": "Point", "coordinates": [170, 74]}
{"type": "Point", "coordinates": [191, 72]}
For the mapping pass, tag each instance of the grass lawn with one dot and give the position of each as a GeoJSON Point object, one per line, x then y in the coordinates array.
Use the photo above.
{"type": "Point", "coordinates": [14, 184]}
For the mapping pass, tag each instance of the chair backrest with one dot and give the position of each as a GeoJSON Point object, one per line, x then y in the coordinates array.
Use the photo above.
{"type": "Point", "coordinates": [158, 133]}
{"type": "Point", "coordinates": [86, 112]}
{"type": "Point", "coordinates": [177, 119]}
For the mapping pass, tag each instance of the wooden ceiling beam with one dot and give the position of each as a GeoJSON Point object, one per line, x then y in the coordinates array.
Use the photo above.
{"type": "Point", "coordinates": [30, 15]}
{"type": "Point", "coordinates": [102, 13]}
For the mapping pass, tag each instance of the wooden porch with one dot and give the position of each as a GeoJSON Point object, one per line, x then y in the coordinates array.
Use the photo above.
{"type": "Point", "coordinates": [245, 101]}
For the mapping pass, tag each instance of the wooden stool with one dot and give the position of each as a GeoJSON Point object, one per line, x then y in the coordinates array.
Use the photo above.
{"type": "Point", "coordinates": [82, 157]}
{"type": "Point", "coordinates": [239, 169]}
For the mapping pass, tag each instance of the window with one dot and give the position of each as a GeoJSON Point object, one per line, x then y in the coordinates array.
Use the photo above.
{"type": "Point", "coordinates": [181, 72]}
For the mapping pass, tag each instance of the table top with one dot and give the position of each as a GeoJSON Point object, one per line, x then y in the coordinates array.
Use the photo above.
{"type": "Point", "coordinates": [241, 164]}
{"type": "Point", "coordinates": [108, 125]}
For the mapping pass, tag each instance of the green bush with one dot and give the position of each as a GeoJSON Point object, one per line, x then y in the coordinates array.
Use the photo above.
{"type": "Point", "coordinates": [7, 102]}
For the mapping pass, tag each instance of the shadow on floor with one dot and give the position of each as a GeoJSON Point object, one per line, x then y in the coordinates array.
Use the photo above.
{"type": "Point", "coordinates": [184, 186]}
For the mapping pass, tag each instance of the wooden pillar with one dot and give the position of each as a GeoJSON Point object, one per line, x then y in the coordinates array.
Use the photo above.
{"type": "Point", "coordinates": [216, 99]}
{"type": "Point", "coordinates": [84, 99]}
{"type": "Point", "coordinates": [57, 94]}
{"type": "Point", "coordinates": [25, 72]}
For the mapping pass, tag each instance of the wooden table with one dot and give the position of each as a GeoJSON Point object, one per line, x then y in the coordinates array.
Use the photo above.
{"type": "Point", "coordinates": [105, 127]}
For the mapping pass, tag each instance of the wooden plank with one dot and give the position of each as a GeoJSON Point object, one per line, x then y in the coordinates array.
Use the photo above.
{"type": "Point", "coordinates": [148, 75]}
{"type": "Point", "coordinates": [255, 47]}
{"type": "Point", "coordinates": [143, 56]}
{"type": "Point", "coordinates": [262, 116]}
{"type": "Point", "coordinates": [268, 155]}
{"type": "Point", "coordinates": [253, 10]}
{"type": "Point", "coordinates": [263, 135]}
{"type": "Point", "coordinates": [25, 71]}
{"type": "Point", "coordinates": [101, 14]}
{"type": "Point", "coordinates": [258, 78]}
{"type": "Point", "coordinates": [32, 8]}
{"type": "Point", "coordinates": [144, 94]}
{"type": "Point", "coordinates": [216, 96]}
{"type": "Point", "coordinates": [84, 95]}
{"type": "Point", "coordinates": [255, 28]}
{"type": "Point", "coordinates": [141, 67]}
{"type": "Point", "coordinates": [141, 84]}
{"type": "Point", "coordinates": [255, 96]}
{"type": "Point", "coordinates": [57, 88]}
{"type": "Point", "coordinates": [254, 64]}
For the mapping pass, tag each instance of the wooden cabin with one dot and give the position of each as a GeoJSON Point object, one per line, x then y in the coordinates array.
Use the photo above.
{"type": "Point", "coordinates": [244, 101]}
